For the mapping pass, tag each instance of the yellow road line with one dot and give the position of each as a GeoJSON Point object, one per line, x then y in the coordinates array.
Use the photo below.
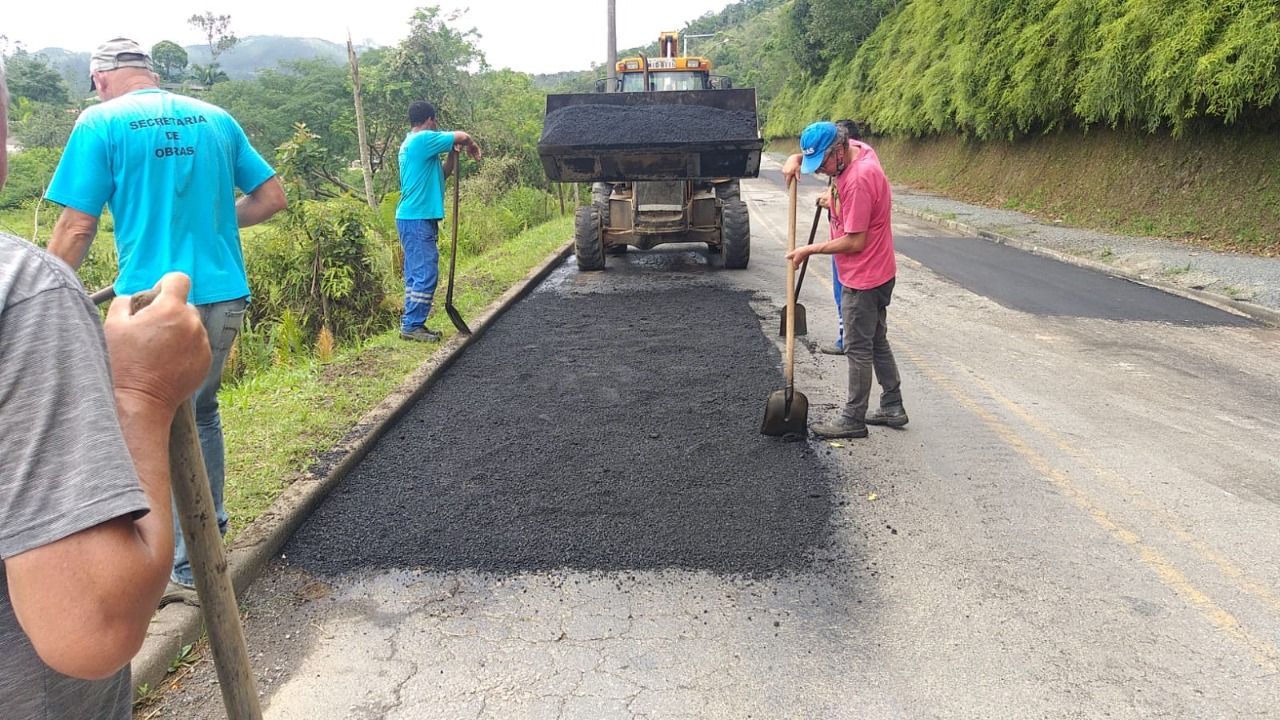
{"type": "Point", "coordinates": [1165, 517]}
{"type": "Point", "coordinates": [1263, 654]}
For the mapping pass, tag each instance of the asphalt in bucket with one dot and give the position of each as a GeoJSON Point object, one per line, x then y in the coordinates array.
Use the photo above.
{"type": "Point", "coordinates": [594, 432]}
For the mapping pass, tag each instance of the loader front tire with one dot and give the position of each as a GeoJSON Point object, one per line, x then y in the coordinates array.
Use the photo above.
{"type": "Point", "coordinates": [736, 235]}
{"type": "Point", "coordinates": [587, 245]}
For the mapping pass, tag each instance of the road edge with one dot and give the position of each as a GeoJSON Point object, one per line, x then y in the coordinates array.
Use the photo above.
{"type": "Point", "coordinates": [176, 626]}
{"type": "Point", "coordinates": [1259, 313]}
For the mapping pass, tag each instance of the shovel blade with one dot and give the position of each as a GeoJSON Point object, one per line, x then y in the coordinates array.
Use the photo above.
{"type": "Point", "coordinates": [456, 317]}
{"type": "Point", "coordinates": [802, 328]}
{"type": "Point", "coordinates": [786, 418]}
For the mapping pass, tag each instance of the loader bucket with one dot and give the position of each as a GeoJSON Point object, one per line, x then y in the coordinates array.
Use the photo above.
{"type": "Point", "coordinates": [677, 135]}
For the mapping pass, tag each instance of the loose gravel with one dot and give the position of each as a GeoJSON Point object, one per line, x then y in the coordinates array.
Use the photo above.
{"type": "Point", "coordinates": [600, 125]}
{"type": "Point", "coordinates": [597, 432]}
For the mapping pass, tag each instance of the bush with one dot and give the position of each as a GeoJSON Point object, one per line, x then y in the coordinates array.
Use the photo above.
{"type": "Point", "coordinates": [318, 268]}
{"type": "Point", "coordinates": [29, 174]}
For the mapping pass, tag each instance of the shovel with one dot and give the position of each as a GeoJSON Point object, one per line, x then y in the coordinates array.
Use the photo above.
{"type": "Point", "coordinates": [802, 328]}
{"type": "Point", "coordinates": [454, 315]}
{"type": "Point", "coordinates": [787, 411]}
{"type": "Point", "coordinates": [199, 525]}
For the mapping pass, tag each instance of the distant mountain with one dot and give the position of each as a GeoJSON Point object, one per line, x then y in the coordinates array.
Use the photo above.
{"type": "Point", "coordinates": [249, 56]}
{"type": "Point", "coordinates": [258, 52]}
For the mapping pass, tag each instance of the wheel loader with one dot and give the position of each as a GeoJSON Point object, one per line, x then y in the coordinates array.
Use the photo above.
{"type": "Point", "coordinates": [664, 153]}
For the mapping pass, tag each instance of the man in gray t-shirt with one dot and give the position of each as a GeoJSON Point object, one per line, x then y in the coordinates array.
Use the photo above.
{"type": "Point", "coordinates": [86, 537]}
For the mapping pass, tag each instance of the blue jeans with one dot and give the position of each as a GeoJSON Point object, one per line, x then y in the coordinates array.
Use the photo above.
{"type": "Point", "coordinates": [867, 350]}
{"type": "Point", "coordinates": [835, 282]}
{"type": "Point", "coordinates": [421, 269]}
{"type": "Point", "coordinates": [222, 322]}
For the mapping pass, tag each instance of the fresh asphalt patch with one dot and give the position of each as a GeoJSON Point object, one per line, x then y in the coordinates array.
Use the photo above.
{"type": "Point", "coordinates": [1038, 285]}
{"type": "Point", "coordinates": [603, 431]}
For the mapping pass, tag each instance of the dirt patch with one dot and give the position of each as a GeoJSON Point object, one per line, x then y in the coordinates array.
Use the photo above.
{"type": "Point", "coordinates": [369, 363]}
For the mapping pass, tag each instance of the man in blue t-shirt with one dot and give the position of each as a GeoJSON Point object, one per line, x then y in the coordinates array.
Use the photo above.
{"type": "Point", "coordinates": [168, 167]}
{"type": "Point", "coordinates": [420, 210]}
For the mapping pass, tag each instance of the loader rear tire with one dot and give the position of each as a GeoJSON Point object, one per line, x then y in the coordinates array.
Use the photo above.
{"type": "Point", "coordinates": [736, 234]}
{"type": "Point", "coordinates": [728, 191]}
{"type": "Point", "coordinates": [587, 246]}
{"type": "Point", "coordinates": [600, 193]}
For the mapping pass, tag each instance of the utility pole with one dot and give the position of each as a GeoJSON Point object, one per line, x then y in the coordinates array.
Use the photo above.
{"type": "Point", "coordinates": [613, 46]}
{"type": "Point", "coordinates": [366, 165]}
{"type": "Point", "coordinates": [686, 40]}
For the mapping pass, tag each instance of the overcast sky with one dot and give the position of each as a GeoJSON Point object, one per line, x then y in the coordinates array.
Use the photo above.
{"type": "Point", "coordinates": [533, 37]}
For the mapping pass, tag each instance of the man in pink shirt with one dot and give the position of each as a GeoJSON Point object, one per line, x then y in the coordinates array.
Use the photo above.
{"type": "Point", "coordinates": [862, 243]}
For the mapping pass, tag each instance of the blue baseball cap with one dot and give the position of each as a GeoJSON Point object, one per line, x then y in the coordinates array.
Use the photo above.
{"type": "Point", "coordinates": [814, 142]}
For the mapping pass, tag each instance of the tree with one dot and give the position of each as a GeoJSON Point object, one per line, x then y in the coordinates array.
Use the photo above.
{"type": "Point", "coordinates": [431, 64]}
{"type": "Point", "coordinates": [170, 60]}
{"type": "Point", "coordinates": [209, 74]}
{"type": "Point", "coordinates": [32, 77]}
{"type": "Point", "coordinates": [822, 33]}
{"type": "Point", "coordinates": [37, 124]}
{"type": "Point", "coordinates": [313, 92]}
{"type": "Point", "coordinates": [218, 34]}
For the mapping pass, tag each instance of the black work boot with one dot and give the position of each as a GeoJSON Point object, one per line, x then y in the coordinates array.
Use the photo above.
{"type": "Point", "coordinates": [893, 417]}
{"type": "Point", "coordinates": [420, 334]}
{"type": "Point", "coordinates": [841, 427]}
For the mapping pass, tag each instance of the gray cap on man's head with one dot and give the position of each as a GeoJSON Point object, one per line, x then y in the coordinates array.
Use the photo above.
{"type": "Point", "coordinates": [119, 53]}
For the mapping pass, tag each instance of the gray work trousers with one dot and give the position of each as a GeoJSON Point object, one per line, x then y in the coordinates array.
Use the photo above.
{"type": "Point", "coordinates": [866, 345]}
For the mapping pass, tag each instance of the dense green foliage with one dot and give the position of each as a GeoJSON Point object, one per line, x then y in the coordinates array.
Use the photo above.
{"type": "Point", "coordinates": [999, 69]}
{"type": "Point", "coordinates": [745, 45]}
{"type": "Point", "coordinates": [323, 265]}
{"type": "Point", "coordinates": [316, 93]}
{"type": "Point", "coordinates": [825, 33]}
{"type": "Point", "coordinates": [31, 76]}
{"type": "Point", "coordinates": [326, 272]}
{"type": "Point", "coordinates": [170, 61]}
{"type": "Point", "coordinates": [29, 174]}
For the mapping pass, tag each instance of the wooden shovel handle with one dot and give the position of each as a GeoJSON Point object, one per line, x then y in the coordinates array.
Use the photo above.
{"type": "Point", "coordinates": [199, 526]}
{"type": "Point", "coordinates": [791, 284]}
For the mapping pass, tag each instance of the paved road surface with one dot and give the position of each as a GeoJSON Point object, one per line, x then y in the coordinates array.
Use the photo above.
{"type": "Point", "coordinates": [1079, 521]}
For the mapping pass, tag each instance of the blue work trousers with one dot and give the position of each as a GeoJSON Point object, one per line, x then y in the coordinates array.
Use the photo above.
{"type": "Point", "coordinates": [835, 282]}
{"type": "Point", "coordinates": [421, 269]}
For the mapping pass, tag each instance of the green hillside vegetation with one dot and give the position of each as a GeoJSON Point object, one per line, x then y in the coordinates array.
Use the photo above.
{"type": "Point", "coordinates": [1104, 111]}
{"type": "Point", "coordinates": [326, 272]}
{"type": "Point", "coordinates": [1185, 85]}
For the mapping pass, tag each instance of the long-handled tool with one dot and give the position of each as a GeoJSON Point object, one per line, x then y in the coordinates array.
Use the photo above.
{"type": "Point", "coordinates": [454, 315]}
{"type": "Point", "coordinates": [194, 501]}
{"type": "Point", "coordinates": [787, 411]}
{"type": "Point", "coordinates": [802, 327]}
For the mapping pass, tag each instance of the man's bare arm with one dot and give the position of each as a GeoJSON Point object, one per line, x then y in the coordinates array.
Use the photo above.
{"type": "Point", "coordinates": [468, 143]}
{"type": "Point", "coordinates": [851, 243]}
{"type": "Point", "coordinates": [72, 236]}
{"type": "Point", "coordinates": [258, 206]}
{"type": "Point", "coordinates": [85, 601]}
